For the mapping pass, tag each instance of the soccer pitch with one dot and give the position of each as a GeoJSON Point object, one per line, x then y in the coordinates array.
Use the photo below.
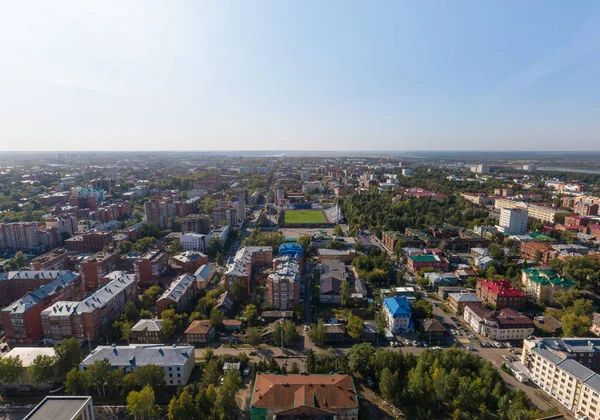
{"type": "Point", "coordinates": [304, 216]}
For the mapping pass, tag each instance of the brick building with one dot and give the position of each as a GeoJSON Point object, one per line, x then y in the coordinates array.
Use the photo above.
{"type": "Point", "coordinates": [151, 266]}
{"type": "Point", "coordinates": [189, 261]}
{"type": "Point", "coordinates": [283, 284]}
{"type": "Point", "coordinates": [19, 236]}
{"type": "Point", "coordinates": [180, 294]}
{"type": "Point", "coordinates": [195, 223]}
{"type": "Point", "coordinates": [93, 269]}
{"type": "Point", "coordinates": [416, 262]}
{"type": "Point", "coordinates": [21, 319]}
{"type": "Point", "coordinates": [92, 241]}
{"type": "Point", "coordinates": [533, 250]}
{"type": "Point", "coordinates": [53, 260]}
{"type": "Point", "coordinates": [146, 331]}
{"type": "Point", "coordinates": [91, 317]}
{"type": "Point", "coordinates": [500, 294]}
{"type": "Point", "coordinates": [244, 262]}
{"type": "Point", "coordinates": [199, 332]}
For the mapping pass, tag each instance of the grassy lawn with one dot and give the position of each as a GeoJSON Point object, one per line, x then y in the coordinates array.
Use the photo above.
{"type": "Point", "coordinates": [304, 216]}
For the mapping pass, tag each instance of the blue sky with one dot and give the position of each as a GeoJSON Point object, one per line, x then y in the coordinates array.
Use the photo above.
{"type": "Point", "coordinates": [224, 75]}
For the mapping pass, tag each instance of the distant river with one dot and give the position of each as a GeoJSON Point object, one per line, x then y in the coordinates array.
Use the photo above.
{"type": "Point", "coordinates": [579, 171]}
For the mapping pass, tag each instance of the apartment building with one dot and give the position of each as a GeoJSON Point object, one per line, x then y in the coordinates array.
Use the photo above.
{"type": "Point", "coordinates": [180, 294]}
{"type": "Point", "coordinates": [199, 332]}
{"type": "Point", "coordinates": [177, 361]}
{"type": "Point", "coordinates": [92, 241]}
{"type": "Point", "coordinates": [544, 214]}
{"type": "Point", "coordinates": [415, 262]}
{"type": "Point", "coordinates": [19, 236]}
{"type": "Point", "coordinates": [500, 294]}
{"type": "Point", "coordinates": [226, 216]}
{"type": "Point", "coordinates": [53, 260]}
{"type": "Point", "coordinates": [397, 311]}
{"type": "Point", "coordinates": [146, 331]}
{"type": "Point", "coordinates": [283, 284]}
{"type": "Point", "coordinates": [513, 221]}
{"type": "Point", "coordinates": [539, 252]}
{"type": "Point", "coordinates": [189, 261]}
{"type": "Point", "coordinates": [89, 318]}
{"type": "Point", "coordinates": [113, 211]}
{"type": "Point", "coordinates": [64, 223]}
{"type": "Point", "coordinates": [95, 268]}
{"type": "Point", "coordinates": [194, 242]}
{"type": "Point", "coordinates": [16, 284]}
{"type": "Point", "coordinates": [151, 266]}
{"type": "Point", "coordinates": [161, 211]}
{"type": "Point", "coordinates": [245, 261]}
{"type": "Point", "coordinates": [541, 285]}
{"type": "Point", "coordinates": [195, 223]}
{"type": "Point", "coordinates": [505, 324]}
{"type": "Point", "coordinates": [21, 319]}
{"type": "Point", "coordinates": [557, 373]}
{"type": "Point", "coordinates": [458, 301]}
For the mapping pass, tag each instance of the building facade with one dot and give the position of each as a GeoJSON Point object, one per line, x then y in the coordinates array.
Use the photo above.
{"type": "Point", "coordinates": [151, 266]}
{"type": "Point", "coordinates": [506, 324]}
{"type": "Point", "coordinates": [513, 221]}
{"type": "Point", "coordinates": [397, 311]}
{"type": "Point", "coordinates": [180, 294]}
{"type": "Point", "coordinates": [542, 285]}
{"type": "Point", "coordinates": [500, 294]}
{"type": "Point", "coordinates": [283, 284]}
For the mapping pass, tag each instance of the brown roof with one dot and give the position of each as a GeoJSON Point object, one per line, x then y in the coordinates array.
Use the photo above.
{"type": "Point", "coordinates": [508, 316]}
{"type": "Point", "coordinates": [432, 325]}
{"type": "Point", "coordinates": [199, 327]}
{"type": "Point", "coordinates": [478, 309]}
{"type": "Point", "coordinates": [283, 392]}
{"type": "Point", "coordinates": [232, 322]}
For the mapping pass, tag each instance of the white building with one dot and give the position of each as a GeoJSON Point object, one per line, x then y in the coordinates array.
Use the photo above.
{"type": "Point", "coordinates": [513, 221]}
{"type": "Point", "coordinates": [406, 172]}
{"type": "Point", "coordinates": [177, 361]}
{"type": "Point", "coordinates": [506, 324]}
{"type": "Point", "coordinates": [193, 242]}
{"type": "Point", "coordinates": [480, 169]}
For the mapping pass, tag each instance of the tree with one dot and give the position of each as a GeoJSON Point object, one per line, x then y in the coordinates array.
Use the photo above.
{"type": "Point", "coordinates": [211, 373]}
{"type": "Point", "coordinates": [537, 257]}
{"type": "Point", "coordinates": [219, 258]}
{"type": "Point", "coordinates": [239, 291]}
{"type": "Point", "coordinates": [290, 332]}
{"type": "Point", "coordinates": [216, 318]}
{"type": "Point", "coordinates": [99, 372]}
{"type": "Point", "coordinates": [337, 231]}
{"type": "Point", "coordinates": [142, 404]}
{"type": "Point", "coordinates": [42, 369]}
{"type": "Point", "coordinates": [388, 385]}
{"type": "Point", "coordinates": [149, 297]}
{"type": "Point", "coordinates": [338, 245]}
{"type": "Point", "coordinates": [422, 309]}
{"type": "Point", "coordinates": [576, 325]}
{"type": "Point", "coordinates": [355, 327]}
{"type": "Point", "coordinates": [146, 314]}
{"type": "Point", "coordinates": [253, 336]}
{"type": "Point", "coordinates": [75, 381]}
{"type": "Point", "coordinates": [68, 354]}
{"type": "Point", "coordinates": [225, 403]}
{"type": "Point", "coordinates": [317, 333]}
{"type": "Point", "coordinates": [182, 408]}
{"type": "Point", "coordinates": [205, 402]}
{"type": "Point", "coordinates": [214, 246]}
{"type": "Point", "coordinates": [11, 369]}
{"type": "Point", "coordinates": [125, 247]}
{"type": "Point", "coordinates": [359, 359]}
{"type": "Point", "coordinates": [151, 229]}
{"type": "Point", "coordinates": [131, 312]}
{"type": "Point", "coordinates": [305, 242]}
{"type": "Point", "coordinates": [345, 292]}
{"type": "Point", "coordinates": [151, 375]}
{"type": "Point", "coordinates": [251, 313]}
{"type": "Point", "coordinates": [126, 331]}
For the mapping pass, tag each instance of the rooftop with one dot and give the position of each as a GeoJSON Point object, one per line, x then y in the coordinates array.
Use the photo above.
{"type": "Point", "coordinates": [154, 325]}
{"type": "Point", "coordinates": [397, 306]}
{"type": "Point", "coordinates": [28, 354]}
{"type": "Point", "coordinates": [140, 355]}
{"type": "Point", "coordinates": [424, 258]}
{"type": "Point", "coordinates": [178, 287]}
{"type": "Point", "coordinates": [199, 327]}
{"type": "Point", "coordinates": [59, 408]}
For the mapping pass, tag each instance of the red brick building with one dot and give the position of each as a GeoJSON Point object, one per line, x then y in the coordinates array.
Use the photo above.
{"type": "Point", "coordinates": [189, 261]}
{"type": "Point", "coordinates": [416, 262]}
{"type": "Point", "coordinates": [94, 268]}
{"type": "Point", "coordinates": [180, 294]}
{"type": "Point", "coordinates": [92, 241]}
{"type": "Point", "coordinates": [531, 250]}
{"type": "Point", "coordinates": [53, 260]}
{"type": "Point", "coordinates": [21, 319]}
{"type": "Point", "coordinates": [150, 268]}
{"type": "Point", "coordinates": [500, 294]}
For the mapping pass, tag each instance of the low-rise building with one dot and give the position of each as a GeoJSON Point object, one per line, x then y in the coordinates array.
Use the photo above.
{"type": "Point", "coordinates": [53, 260]}
{"type": "Point", "coordinates": [180, 294]}
{"type": "Point", "coordinates": [397, 311]}
{"type": "Point", "coordinates": [304, 396]}
{"type": "Point", "coordinates": [27, 355]}
{"type": "Point", "coordinates": [417, 262]}
{"type": "Point", "coordinates": [146, 331]}
{"type": "Point", "coordinates": [548, 324]}
{"type": "Point", "coordinates": [457, 301]}
{"type": "Point", "coordinates": [500, 294]}
{"type": "Point", "coordinates": [505, 324]}
{"type": "Point", "coordinates": [333, 274]}
{"type": "Point", "coordinates": [63, 408]}
{"type": "Point", "coordinates": [541, 285]}
{"type": "Point", "coordinates": [189, 261]}
{"type": "Point", "coordinates": [433, 331]}
{"type": "Point", "coordinates": [194, 241]}
{"type": "Point", "coordinates": [177, 361]}
{"type": "Point", "coordinates": [199, 332]}
{"type": "Point", "coordinates": [204, 275]}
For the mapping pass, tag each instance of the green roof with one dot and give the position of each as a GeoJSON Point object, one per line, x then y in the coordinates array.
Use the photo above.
{"type": "Point", "coordinates": [540, 237]}
{"type": "Point", "coordinates": [544, 277]}
{"type": "Point", "coordinates": [423, 258]}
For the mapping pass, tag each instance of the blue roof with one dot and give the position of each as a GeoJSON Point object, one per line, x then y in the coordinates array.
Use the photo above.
{"type": "Point", "coordinates": [292, 249]}
{"type": "Point", "coordinates": [398, 306]}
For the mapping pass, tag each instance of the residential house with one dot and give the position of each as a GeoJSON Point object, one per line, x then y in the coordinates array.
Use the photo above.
{"type": "Point", "coordinates": [333, 273]}
{"type": "Point", "coordinates": [541, 285]}
{"type": "Point", "coordinates": [199, 332]}
{"type": "Point", "coordinates": [146, 331]}
{"type": "Point", "coordinates": [433, 331]}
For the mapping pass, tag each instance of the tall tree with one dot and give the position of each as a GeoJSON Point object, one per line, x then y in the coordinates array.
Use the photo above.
{"type": "Point", "coordinates": [182, 408]}
{"type": "Point", "coordinates": [75, 382]}
{"type": "Point", "coordinates": [11, 370]}
{"type": "Point", "coordinates": [355, 327]}
{"type": "Point", "coordinates": [42, 369]}
{"type": "Point", "coordinates": [345, 293]}
{"type": "Point", "coordinates": [126, 330]}
{"type": "Point", "coordinates": [142, 404]}
{"type": "Point", "coordinates": [68, 354]}
{"type": "Point", "coordinates": [388, 385]}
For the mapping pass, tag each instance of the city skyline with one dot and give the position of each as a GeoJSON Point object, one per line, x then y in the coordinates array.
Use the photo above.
{"type": "Point", "coordinates": [300, 77]}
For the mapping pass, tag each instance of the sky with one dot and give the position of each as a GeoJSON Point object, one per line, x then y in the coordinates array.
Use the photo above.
{"type": "Point", "coordinates": [302, 75]}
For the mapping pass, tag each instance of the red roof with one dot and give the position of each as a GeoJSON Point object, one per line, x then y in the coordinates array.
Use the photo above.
{"type": "Point", "coordinates": [501, 287]}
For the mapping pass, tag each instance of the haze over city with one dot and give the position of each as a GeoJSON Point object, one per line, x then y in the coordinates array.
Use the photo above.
{"type": "Point", "coordinates": [150, 75]}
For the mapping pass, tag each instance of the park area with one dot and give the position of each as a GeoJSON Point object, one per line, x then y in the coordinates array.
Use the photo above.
{"type": "Point", "coordinates": [304, 216]}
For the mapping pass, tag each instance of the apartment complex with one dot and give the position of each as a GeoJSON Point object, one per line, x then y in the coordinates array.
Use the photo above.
{"type": "Point", "coordinates": [94, 269]}
{"type": "Point", "coordinates": [151, 266]}
{"type": "Point", "coordinates": [90, 317]}
{"type": "Point", "coordinates": [513, 221]}
{"type": "Point", "coordinates": [21, 319]}
{"type": "Point", "coordinates": [195, 223]}
{"type": "Point", "coordinates": [500, 294]}
{"type": "Point", "coordinates": [189, 261]}
{"type": "Point", "coordinates": [92, 241]}
{"type": "Point", "coordinates": [541, 285]}
{"type": "Point", "coordinates": [64, 223]}
{"type": "Point", "coordinates": [161, 211]}
{"type": "Point", "coordinates": [16, 284]}
{"type": "Point", "coordinates": [244, 262]}
{"type": "Point", "coordinates": [177, 361]}
{"type": "Point", "coordinates": [551, 365]}
{"type": "Point", "coordinates": [283, 284]}
{"type": "Point", "coordinates": [544, 214]}
{"type": "Point", "coordinates": [505, 324]}
{"type": "Point", "coordinates": [180, 294]}
{"type": "Point", "coordinates": [230, 212]}
{"type": "Point", "coordinates": [53, 260]}
{"type": "Point", "coordinates": [19, 236]}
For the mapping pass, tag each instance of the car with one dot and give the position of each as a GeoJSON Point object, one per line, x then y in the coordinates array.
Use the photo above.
{"type": "Point", "coordinates": [407, 342]}
{"type": "Point", "coordinates": [306, 328]}
{"type": "Point", "coordinates": [398, 343]}
{"type": "Point", "coordinates": [425, 345]}
{"type": "Point", "coordinates": [436, 348]}
{"type": "Point", "coordinates": [392, 344]}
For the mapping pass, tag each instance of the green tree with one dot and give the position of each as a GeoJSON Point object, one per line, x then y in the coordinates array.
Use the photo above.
{"type": "Point", "coordinates": [317, 333]}
{"type": "Point", "coordinates": [216, 318]}
{"type": "Point", "coordinates": [211, 373]}
{"type": "Point", "coordinates": [182, 408]}
{"type": "Point", "coordinates": [68, 354]}
{"type": "Point", "coordinates": [576, 325]}
{"type": "Point", "coordinates": [214, 246]}
{"type": "Point", "coordinates": [305, 242]}
{"type": "Point", "coordinates": [205, 402]}
{"type": "Point", "coordinates": [125, 247]}
{"type": "Point", "coordinates": [99, 372]}
{"type": "Point", "coordinates": [152, 375]}
{"type": "Point", "coordinates": [388, 385]}
{"type": "Point", "coordinates": [126, 331]}
{"type": "Point", "coordinates": [251, 313]}
{"type": "Point", "coordinates": [355, 327]}
{"type": "Point", "coordinates": [219, 259]}
{"type": "Point", "coordinates": [422, 309]}
{"type": "Point", "coordinates": [142, 405]}
{"type": "Point", "coordinates": [359, 359]}
{"type": "Point", "coordinates": [131, 312]}
{"type": "Point", "coordinates": [42, 369]}
{"type": "Point", "coordinates": [239, 291]}
{"type": "Point", "coordinates": [75, 382]}
{"type": "Point", "coordinates": [149, 297]}
{"type": "Point", "coordinates": [11, 369]}
{"type": "Point", "coordinates": [337, 231]}
{"type": "Point", "coordinates": [253, 336]}
{"type": "Point", "coordinates": [345, 292]}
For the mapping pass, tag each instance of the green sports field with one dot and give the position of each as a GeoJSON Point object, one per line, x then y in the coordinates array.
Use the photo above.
{"type": "Point", "coordinates": [304, 216]}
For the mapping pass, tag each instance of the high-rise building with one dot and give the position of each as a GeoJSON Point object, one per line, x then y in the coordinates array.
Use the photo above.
{"type": "Point", "coordinates": [19, 235]}
{"type": "Point", "coordinates": [513, 221]}
{"type": "Point", "coordinates": [152, 265]}
{"type": "Point", "coordinates": [195, 223]}
{"type": "Point", "coordinates": [64, 223]}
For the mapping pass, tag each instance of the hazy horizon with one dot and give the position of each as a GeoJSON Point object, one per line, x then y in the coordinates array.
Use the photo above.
{"type": "Point", "coordinates": [305, 77]}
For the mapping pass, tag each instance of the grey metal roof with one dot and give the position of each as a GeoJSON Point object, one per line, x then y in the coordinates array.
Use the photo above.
{"type": "Point", "coordinates": [178, 287]}
{"type": "Point", "coordinates": [106, 294]}
{"type": "Point", "coordinates": [59, 408]}
{"type": "Point", "coordinates": [594, 382]}
{"type": "Point", "coordinates": [148, 325]}
{"type": "Point", "coordinates": [576, 369]}
{"type": "Point", "coordinates": [465, 297]}
{"type": "Point", "coordinates": [140, 355]}
{"type": "Point", "coordinates": [35, 274]}
{"type": "Point", "coordinates": [204, 272]}
{"type": "Point", "coordinates": [242, 257]}
{"type": "Point", "coordinates": [547, 354]}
